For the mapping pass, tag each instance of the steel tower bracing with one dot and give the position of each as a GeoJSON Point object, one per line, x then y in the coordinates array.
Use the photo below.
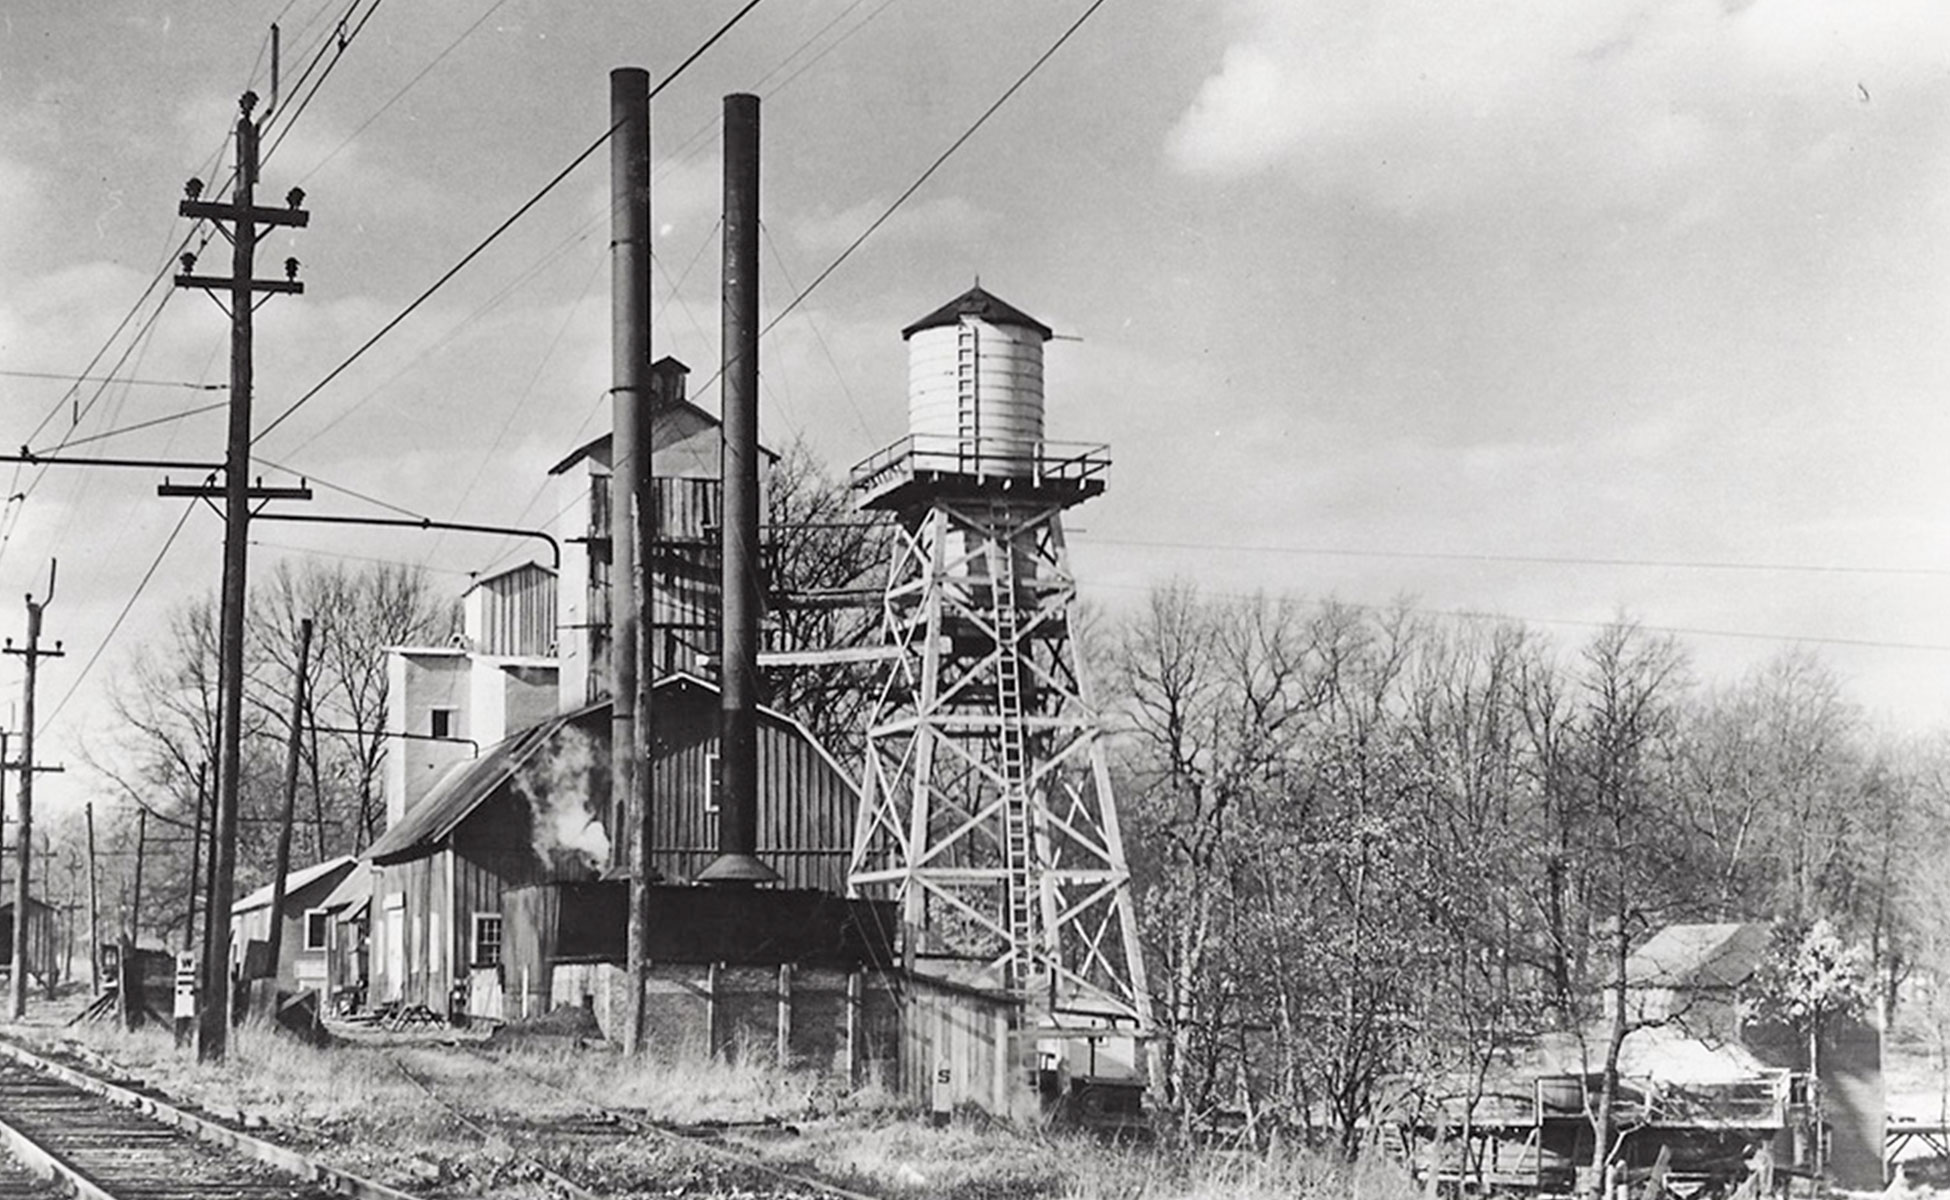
{"type": "Point", "coordinates": [987, 808]}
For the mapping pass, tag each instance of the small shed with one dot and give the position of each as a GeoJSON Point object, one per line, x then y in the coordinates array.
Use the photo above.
{"type": "Point", "coordinates": [42, 952]}
{"type": "Point", "coordinates": [305, 944]}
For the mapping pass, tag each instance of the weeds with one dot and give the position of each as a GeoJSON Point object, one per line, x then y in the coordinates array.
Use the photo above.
{"type": "Point", "coordinates": [352, 1105]}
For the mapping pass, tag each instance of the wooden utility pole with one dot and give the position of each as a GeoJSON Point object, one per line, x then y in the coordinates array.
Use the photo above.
{"type": "Point", "coordinates": [24, 829]}
{"type": "Point", "coordinates": [196, 863]}
{"type": "Point", "coordinates": [135, 893]}
{"type": "Point", "coordinates": [94, 910]}
{"type": "Point", "coordinates": [290, 794]}
{"type": "Point", "coordinates": [245, 220]}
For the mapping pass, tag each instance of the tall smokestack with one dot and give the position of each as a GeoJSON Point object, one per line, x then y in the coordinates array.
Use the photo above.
{"type": "Point", "coordinates": [737, 863]}
{"type": "Point", "coordinates": [629, 492]}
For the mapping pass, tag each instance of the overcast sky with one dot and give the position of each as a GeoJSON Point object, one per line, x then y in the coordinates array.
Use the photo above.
{"type": "Point", "coordinates": [1658, 282]}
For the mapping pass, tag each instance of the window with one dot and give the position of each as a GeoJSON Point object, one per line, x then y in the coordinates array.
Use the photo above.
{"type": "Point", "coordinates": [318, 928]}
{"type": "Point", "coordinates": [440, 722]}
{"type": "Point", "coordinates": [487, 939]}
{"type": "Point", "coordinates": [713, 780]}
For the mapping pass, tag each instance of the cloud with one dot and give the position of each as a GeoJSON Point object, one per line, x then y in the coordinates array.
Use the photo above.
{"type": "Point", "coordinates": [1602, 104]}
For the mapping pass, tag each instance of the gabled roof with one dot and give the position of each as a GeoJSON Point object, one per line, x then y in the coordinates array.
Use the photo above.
{"type": "Point", "coordinates": [353, 889]}
{"type": "Point", "coordinates": [489, 577]}
{"type": "Point", "coordinates": [464, 789]}
{"type": "Point", "coordinates": [661, 434]}
{"type": "Point", "coordinates": [295, 882]}
{"type": "Point", "coordinates": [983, 307]}
{"type": "Point", "coordinates": [1697, 957]}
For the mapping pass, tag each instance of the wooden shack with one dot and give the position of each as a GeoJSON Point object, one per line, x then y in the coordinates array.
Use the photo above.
{"type": "Point", "coordinates": [43, 951]}
{"type": "Point", "coordinates": [305, 943]}
{"type": "Point", "coordinates": [525, 813]}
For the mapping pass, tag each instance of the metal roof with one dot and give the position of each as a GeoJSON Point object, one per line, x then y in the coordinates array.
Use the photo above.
{"type": "Point", "coordinates": [983, 307]}
{"type": "Point", "coordinates": [465, 788]}
{"type": "Point", "coordinates": [355, 887]}
{"type": "Point", "coordinates": [462, 790]}
{"type": "Point", "coordinates": [1698, 956]}
{"type": "Point", "coordinates": [295, 882]}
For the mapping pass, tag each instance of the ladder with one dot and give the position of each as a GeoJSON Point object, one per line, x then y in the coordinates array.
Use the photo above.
{"type": "Point", "coordinates": [968, 410]}
{"type": "Point", "coordinates": [1018, 853]}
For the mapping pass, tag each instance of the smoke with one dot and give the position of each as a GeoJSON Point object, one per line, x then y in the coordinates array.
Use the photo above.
{"type": "Point", "coordinates": [557, 784]}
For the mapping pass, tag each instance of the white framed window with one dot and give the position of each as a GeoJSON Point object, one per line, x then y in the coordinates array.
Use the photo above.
{"type": "Point", "coordinates": [487, 939]}
{"type": "Point", "coordinates": [318, 929]}
{"type": "Point", "coordinates": [713, 780]}
{"type": "Point", "coordinates": [443, 722]}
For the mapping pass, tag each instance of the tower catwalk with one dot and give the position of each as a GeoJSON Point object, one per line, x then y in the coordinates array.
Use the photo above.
{"type": "Point", "coordinates": [987, 808]}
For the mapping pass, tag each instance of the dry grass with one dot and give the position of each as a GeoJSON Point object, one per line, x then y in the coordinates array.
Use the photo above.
{"type": "Point", "coordinates": [350, 1105]}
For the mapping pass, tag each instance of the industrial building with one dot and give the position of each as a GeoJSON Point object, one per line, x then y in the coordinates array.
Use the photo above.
{"type": "Point", "coordinates": [592, 753]}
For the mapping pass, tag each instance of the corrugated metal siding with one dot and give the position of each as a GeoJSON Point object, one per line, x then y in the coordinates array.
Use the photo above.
{"type": "Point", "coordinates": [683, 575]}
{"type": "Point", "coordinates": [805, 807]}
{"type": "Point", "coordinates": [687, 509]}
{"type": "Point", "coordinates": [518, 613]}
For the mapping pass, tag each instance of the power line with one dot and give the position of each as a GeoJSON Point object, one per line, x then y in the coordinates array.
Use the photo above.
{"type": "Point", "coordinates": [1535, 559]}
{"type": "Point", "coordinates": [71, 443]}
{"type": "Point", "coordinates": [314, 552]}
{"type": "Point", "coordinates": [1463, 614]}
{"type": "Point", "coordinates": [530, 203]}
{"type": "Point", "coordinates": [935, 165]}
{"type": "Point", "coordinates": [344, 491]}
{"type": "Point", "coordinates": [168, 383]}
{"type": "Point", "coordinates": [140, 587]}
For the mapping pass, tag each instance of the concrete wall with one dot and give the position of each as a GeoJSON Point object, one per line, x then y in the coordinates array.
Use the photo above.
{"type": "Point", "coordinates": [837, 1022]}
{"type": "Point", "coordinates": [939, 1044]}
{"type": "Point", "coordinates": [421, 681]}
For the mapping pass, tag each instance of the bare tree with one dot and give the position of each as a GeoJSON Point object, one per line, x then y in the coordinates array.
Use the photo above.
{"type": "Point", "coordinates": [825, 565]}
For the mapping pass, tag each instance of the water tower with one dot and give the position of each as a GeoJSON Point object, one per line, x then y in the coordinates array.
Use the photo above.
{"type": "Point", "coordinates": [987, 807]}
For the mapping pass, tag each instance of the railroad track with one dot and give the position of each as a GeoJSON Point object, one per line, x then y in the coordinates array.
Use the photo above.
{"type": "Point", "coordinates": [570, 1145]}
{"type": "Point", "coordinates": [100, 1140]}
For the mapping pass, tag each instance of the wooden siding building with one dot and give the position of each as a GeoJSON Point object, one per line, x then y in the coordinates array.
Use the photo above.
{"type": "Point", "coordinates": [681, 569]}
{"type": "Point", "coordinates": [42, 949]}
{"type": "Point", "coordinates": [305, 945]}
{"type": "Point", "coordinates": [443, 870]}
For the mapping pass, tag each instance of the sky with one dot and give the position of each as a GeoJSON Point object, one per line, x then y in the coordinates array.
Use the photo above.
{"type": "Point", "coordinates": [1556, 312]}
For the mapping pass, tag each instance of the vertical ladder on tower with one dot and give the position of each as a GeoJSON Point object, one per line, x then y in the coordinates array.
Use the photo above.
{"type": "Point", "coordinates": [1013, 765]}
{"type": "Point", "coordinates": [968, 424]}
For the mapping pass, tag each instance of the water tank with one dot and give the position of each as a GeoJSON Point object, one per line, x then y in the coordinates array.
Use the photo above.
{"type": "Point", "coordinates": [975, 386]}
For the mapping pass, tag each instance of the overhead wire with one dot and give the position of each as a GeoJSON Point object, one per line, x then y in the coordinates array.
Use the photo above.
{"type": "Point", "coordinates": [1533, 559]}
{"type": "Point", "coordinates": [115, 627]}
{"type": "Point", "coordinates": [408, 86]}
{"type": "Point", "coordinates": [1465, 614]}
{"type": "Point", "coordinates": [502, 228]}
{"type": "Point", "coordinates": [936, 165]}
{"type": "Point", "coordinates": [338, 46]}
{"type": "Point", "coordinates": [124, 380]}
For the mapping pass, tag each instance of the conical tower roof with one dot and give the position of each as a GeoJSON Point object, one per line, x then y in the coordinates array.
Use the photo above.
{"type": "Point", "coordinates": [981, 305]}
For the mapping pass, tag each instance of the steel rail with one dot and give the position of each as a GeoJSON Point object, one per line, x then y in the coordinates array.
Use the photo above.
{"type": "Point", "coordinates": [153, 1125]}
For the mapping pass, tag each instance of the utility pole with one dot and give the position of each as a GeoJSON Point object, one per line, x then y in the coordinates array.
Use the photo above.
{"type": "Point", "coordinates": [24, 830]}
{"type": "Point", "coordinates": [196, 863]}
{"type": "Point", "coordinates": [135, 893]}
{"type": "Point", "coordinates": [290, 795]}
{"type": "Point", "coordinates": [94, 910]}
{"type": "Point", "coordinates": [245, 220]}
